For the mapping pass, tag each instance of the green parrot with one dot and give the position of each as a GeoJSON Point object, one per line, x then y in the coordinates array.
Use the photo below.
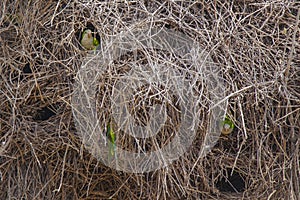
{"type": "Point", "coordinates": [112, 138]}
{"type": "Point", "coordinates": [227, 126]}
{"type": "Point", "coordinates": [88, 41]}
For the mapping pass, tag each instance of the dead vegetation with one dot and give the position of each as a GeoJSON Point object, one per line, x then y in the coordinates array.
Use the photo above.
{"type": "Point", "coordinates": [256, 47]}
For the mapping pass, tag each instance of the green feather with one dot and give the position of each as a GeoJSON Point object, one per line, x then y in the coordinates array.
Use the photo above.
{"type": "Point", "coordinates": [227, 125]}
{"type": "Point", "coordinates": [229, 122]}
{"type": "Point", "coordinates": [89, 43]}
{"type": "Point", "coordinates": [85, 32]}
{"type": "Point", "coordinates": [95, 42]}
{"type": "Point", "coordinates": [112, 138]}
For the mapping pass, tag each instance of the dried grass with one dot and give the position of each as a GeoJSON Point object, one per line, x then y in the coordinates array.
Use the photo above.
{"type": "Point", "coordinates": [256, 46]}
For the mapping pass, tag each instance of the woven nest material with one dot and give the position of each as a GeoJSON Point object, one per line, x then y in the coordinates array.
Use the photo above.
{"type": "Point", "coordinates": [256, 47]}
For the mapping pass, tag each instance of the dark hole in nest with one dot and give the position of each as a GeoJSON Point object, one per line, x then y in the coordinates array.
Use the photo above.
{"type": "Point", "coordinates": [267, 40]}
{"type": "Point", "coordinates": [44, 113]}
{"type": "Point", "coordinates": [232, 183]}
{"type": "Point", "coordinates": [27, 69]}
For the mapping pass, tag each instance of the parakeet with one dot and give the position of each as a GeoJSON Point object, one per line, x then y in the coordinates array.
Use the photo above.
{"type": "Point", "coordinates": [227, 126]}
{"type": "Point", "coordinates": [88, 41]}
{"type": "Point", "coordinates": [112, 138]}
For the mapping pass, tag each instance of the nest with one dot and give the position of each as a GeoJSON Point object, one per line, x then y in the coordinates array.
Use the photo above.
{"type": "Point", "coordinates": [255, 47]}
